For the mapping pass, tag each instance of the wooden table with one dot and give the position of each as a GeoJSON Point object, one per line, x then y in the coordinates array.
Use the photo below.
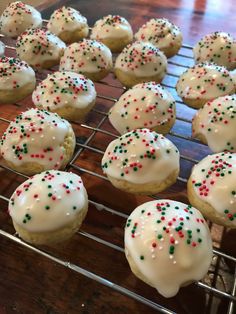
{"type": "Point", "coordinates": [35, 282]}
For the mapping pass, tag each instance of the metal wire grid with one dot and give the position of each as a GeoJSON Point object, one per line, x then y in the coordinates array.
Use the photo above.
{"type": "Point", "coordinates": [87, 145]}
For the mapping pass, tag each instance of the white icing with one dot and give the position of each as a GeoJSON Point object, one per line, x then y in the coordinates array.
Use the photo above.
{"type": "Point", "coordinates": [64, 89]}
{"type": "Point", "coordinates": [233, 74]}
{"type": "Point", "coordinates": [218, 47]}
{"type": "Point", "coordinates": [217, 122]}
{"type": "Point", "coordinates": [149, 246]}
{"type": "Point", "coordinates": [160, 32]}
{"type": "Point", "coordinates": [145, 105]}
{"type": "Point", "coordinates": [112, 26]}
{"type": "Point", "coordinates": [216, 189]}
{"type": "Point", "coordinates": [86, 56]}
{"type": "Point", "coordinates": [14, 73]}
{"type": "Point", "coordinates": [36, 46]}
{"type": "Point", "coordinates": [66, 19]}
{"type": "Point", "coordinates": [48, 212]}
{"type": "Point", "coordinates": [17, 17]}
{"type": "Point", "coordinates": [141, 59]}
{"type": "Point", "coordinates": [35, 136]}
{"type": "Point", "coordinates": [2, 49]}
{"type": "Point", "coordinates": [129, 153]}
{"type": "Point", "coordinates": [205, 81]}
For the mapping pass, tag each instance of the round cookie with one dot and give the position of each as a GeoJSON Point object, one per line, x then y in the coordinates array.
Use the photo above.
{"type": "Point", "coordinates": [69, 94]}
{"type": "Point", "coordinates": [141, 162]}
{"type": "Point", "coordinates": [217, 47]}
{"type": "Point", "coordinates": [39, 48]}
{"type": "Point", "coordinates": [88, 57]}
{"type": "Point", "coordinates": [37, 140]}
{"type": "Point", "coordinates": [17, 80]}
{"type": "Point", "coordinates": [68, 24]}
{"type": "Point", "coordinates": [163, 34]}
{"type": "Point", "coordinates": [211, 188]}
{"type": "Point", "coordinates": [144, 105]}
{"type": "Point", "coordinates": [49, 207]}
{"type": "Point", "coordinates": [140, 62]}
{"type": "Point", "coordinates": [17, 17]}
{"type": "Point", "coordinates": [168, 245]}
{"type": "Point", "coordinates": [215, 124]}
{"type": "Point", "coordinates": [114, 31]}
{"type": "Point", "coordinates": [204, 82]}
{"type": "Point", "coordinates": [2, 49]}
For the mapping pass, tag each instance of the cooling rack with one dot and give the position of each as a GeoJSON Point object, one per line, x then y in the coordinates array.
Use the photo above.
{"type": "Point", "coordinates": [92, 139]}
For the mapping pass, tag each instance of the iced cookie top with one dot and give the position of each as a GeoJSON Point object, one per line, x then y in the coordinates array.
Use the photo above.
{"type": "Point", "coordinates": [217, 47]}
{"type": "Point", "coordinates": [37, 46]}
{"type": "Point", "coordinates": [141, 59]}
{"type": "Point", "coordinates": [48, 201]}
{"type": "Point", "coordinates": [216, 121]}
{"type": "Point", "coordinates": [141, 156]}
{"type": "Point", "coordinates": [66, 19]}
{"type": "Point", "coordinates": [205, 81]}
{"type": "Point", "coordinates": [112, 26]}
{"type": "Point", "coordinates": [144, 105]}
{"type": "Point", "coordinates": [169, 243]}
{"type": "Point", "coordinates": [61, 89]}
{"type": "Point", "coordinates": [86, 56]}
{"type": "Point", "coordinates": [213, 180]}
{"type": "Point", "coordinates": [17, 17]}
{"type": "Point", "coordinates": [14, 73]}
{"type": "Point", "coordinates": [160, 32]}
{"type": "Point", "coordinates": [36, 136]}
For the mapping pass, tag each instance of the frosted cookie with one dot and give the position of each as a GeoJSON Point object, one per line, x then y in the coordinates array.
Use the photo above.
{"type": "Point", "coordinates": [69, 94]}
{"type": "Point", "coordinates": [211, 188]}
{"type": "Point", "coordinates": [215, 124]}
{"type": "Point", "coordinates": [140, 62]}
{"type": "Point", "coordinates": [114, 31]}
{"type": "Point", "coordinates": [49, 207]}
{"type": "Point", "coordinates": [163, 34]}
{"type": "Point", "coordinates": [68, 24]}
{"type": "Point", "coordinates": [168, 245]}
{"type": "Point", "coordinates": [40, 48]}
{"type": "Point", "coordinates": [203, 82]}
{"type": "Point", "coordinates": [142, 162]}
{"type": "Point", "coordinates": [88, 57]}
{"type": "Point", "coordinates": [2, 49]}
{"type": "Point", "coordinates": [218, 47]}
{"type": "Point", "coordinates": [17, 80]}
{"type": "Point", "coordinates": [144, 105]}
{"type": "Point", "coordinates": [17, 17]}
{"type": "Point", "coordinates": [37, 140]}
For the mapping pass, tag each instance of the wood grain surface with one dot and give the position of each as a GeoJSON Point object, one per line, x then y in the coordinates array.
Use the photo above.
{"type": "Point", "coordinates": [32, 283]}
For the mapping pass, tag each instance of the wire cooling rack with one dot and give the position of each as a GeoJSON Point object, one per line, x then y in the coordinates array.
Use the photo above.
{"type": "Point", "coordinates": [101, 131]}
